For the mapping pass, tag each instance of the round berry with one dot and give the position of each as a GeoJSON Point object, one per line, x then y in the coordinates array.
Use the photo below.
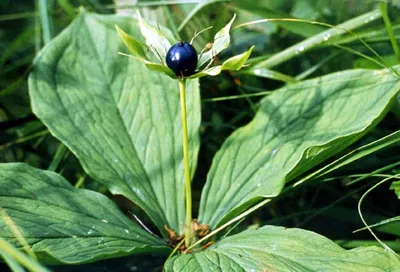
{"type": "Point", "coordinates": [182, 59]}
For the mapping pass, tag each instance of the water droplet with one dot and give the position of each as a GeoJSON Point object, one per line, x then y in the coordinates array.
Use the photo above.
{"type": "Point", "coordinates": [371, 18]}
{"type": "Point", "coordinates": [103, 220]}
{"type": "Point", "coordinates": [377, 73]}
{"type": "Point", "coordinates": [46, 233]}
{"type": "Point", "coordinates": [266, 165]}
{"type": "Point", "coordinates": [74, 236]}
{"type": "Point", "coordinates": [258, 185]}
{"type": "Point", "coordinates": [327, 36]}
{"type": "Point", "coordinates": [139, 193]}
{"type": "Point", "coordinates": [90, 232]}
{"type": "Point", "coordinates": [133, 268]}
{"type": "Point", "coordinates": [116, 160]}
{"type": "Point", "coordinates": [257, 71]}
{"type": "Point", "coordinates": [274, 151]}
{"type": "Point", "coordinates": [137, 236]}
{"type": "Point", "coordinates": [257, 176]}
{"type": "Point", "coordinates": [300, 49]}
{"type": "Point", "coordinates": [101, 240]}
{"type": "Point", "coordinates": [127, 231]}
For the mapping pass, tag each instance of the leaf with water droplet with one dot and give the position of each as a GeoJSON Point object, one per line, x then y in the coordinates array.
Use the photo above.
{"type": "Point", "coordinates": [295, 128]}
{"type": "Point", "coordinates": [66, 223]}
{"type": "Point", "coordinates": [273, 248]}
{"type": "Point", "coordinates": [112, 135]}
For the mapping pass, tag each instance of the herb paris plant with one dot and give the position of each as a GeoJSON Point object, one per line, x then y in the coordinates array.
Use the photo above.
{"type": "Point", "coordinates": [182, 59]}
{"type": "Point", "coordinates": [123, 124]}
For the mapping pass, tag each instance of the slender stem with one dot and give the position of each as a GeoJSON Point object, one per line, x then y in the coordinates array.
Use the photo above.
{"type": "Point", "coordinates": [20, 257]}
{"type": "Point", "coordinates": [188, 189]}
{"type": "Point", "coordinates": [45, 20]}
{"type": "Point", "coordinates": [362, 217]}
{"type": "Point", "coordinates": [389, 29]}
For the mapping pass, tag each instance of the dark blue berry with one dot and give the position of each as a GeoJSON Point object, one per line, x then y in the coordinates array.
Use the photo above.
{"type": "Point", "coordinates": [182, 59]}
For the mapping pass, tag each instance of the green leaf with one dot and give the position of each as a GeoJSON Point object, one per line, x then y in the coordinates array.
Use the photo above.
{"type": "Point", "coordinates": [280, 249]}
{"type": "Point", "coordinates": [161, 68]}
{"type": "Point", "coordinates": [221, 41]}
{"type": "Point", "coordinates": [396, 188]}
{"type": "Point", "coordinates": [295, 128]}
{"type": "Point", "coordinates": [237, 62]}
{"type": "Point", "coordinates": [121, 120]}
{"type": "Point", "coordinates": [233, 63]}
{"type": "Point", "coordinates": [63, 224]}
{"type": "Point", "coordinates": [134, 46]}
{"type": "Point", "coordinates": [155, 40]}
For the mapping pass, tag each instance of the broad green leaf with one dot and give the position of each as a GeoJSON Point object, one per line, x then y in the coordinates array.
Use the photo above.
{"type": "Point", "coordinates": [233, 63]}
{"type": "Point", "coordinates": [155, 40]}
{"type": "Point", "coordinates": [295, 128]}
{"type": "Point", "coordinates": [221, 41]}
{"type": "Point", "coordinates": [63, 224]}
{"type": "Point", "coordinates": [120, 119]}
{"type": "Point", "coordinates": [280, 249]}
{"type": "Point", "coordinates": [134, 46]}
{"type": "Point", "coordinates": [396, 188]}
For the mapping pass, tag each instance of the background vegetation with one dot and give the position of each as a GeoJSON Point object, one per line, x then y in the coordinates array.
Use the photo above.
{"type": "Point", "coordinates": [228, 102]}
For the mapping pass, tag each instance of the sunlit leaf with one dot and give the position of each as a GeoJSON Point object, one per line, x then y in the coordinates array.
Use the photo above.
{"type": "Point", "coordinates": [134, 46]}
{"type": "Point", "coordinates": [396, 188]}
{"type": "Point", "coordinates": [161, 68]}
{"type": "Point", "coordinates": [233, 63]}
{"type": "Point", "coordinates": [155, 40]}
{"type": "Point", "coordinates": [221, 42]}
{"type": "Point", "coordinates": [120, 119]}
{"type": "Point", "coordinates": [295, 128]}
{"type": "Point", "coordinates": [280, 249]}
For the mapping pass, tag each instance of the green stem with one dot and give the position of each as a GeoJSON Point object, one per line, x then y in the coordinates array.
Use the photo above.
{"type": "Point", "coordinates": [389, 29]}
{"type": "Point", "coordinates": [316, 40]}
{"type": "Point", "coordinates": [188, 189]}
{"type": "Point", "coordinates": [20, 257]}
{"type": "Point", "coordinates": [45, 20]}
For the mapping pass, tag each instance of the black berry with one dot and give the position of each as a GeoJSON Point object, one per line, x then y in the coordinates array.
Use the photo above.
{"type": "Point", "coordinates": [182, 59]}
